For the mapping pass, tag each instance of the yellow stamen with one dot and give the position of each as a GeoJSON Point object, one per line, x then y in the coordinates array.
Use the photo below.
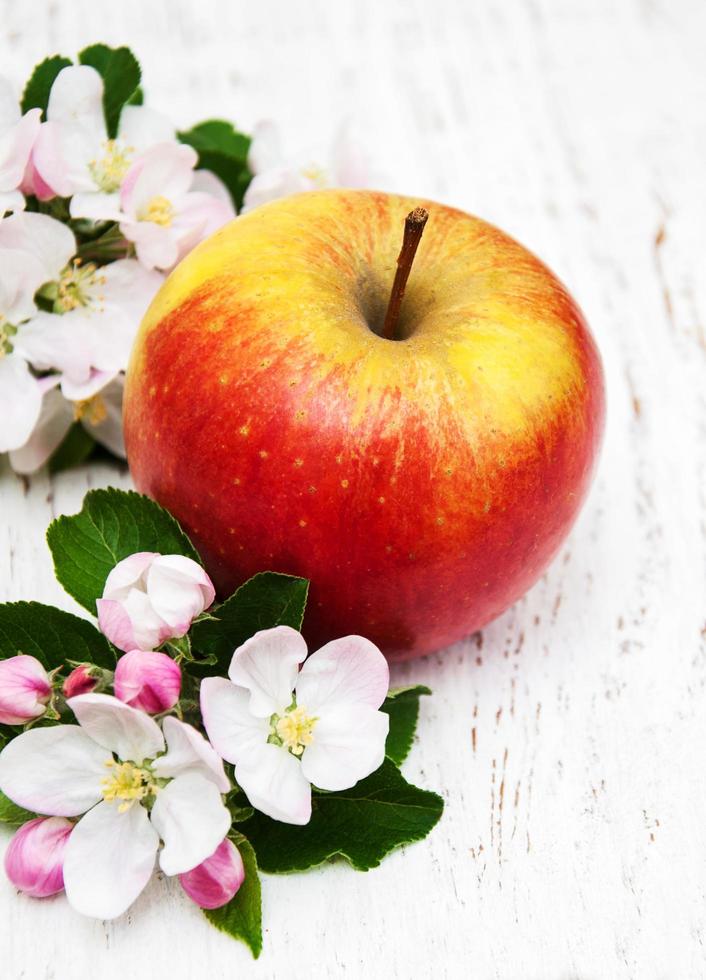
{"type": "Point", "coordinates": [127, 782]}
{"type": "Point", "coordinates": [295, 729]}
{"type": "Point", "coordinates": [108, 171]}
{"type": "Point", "coordinates": [316, 174]}
{"type": "Point", "coordinates": [78, 285]}
{"type": "Point", "coordinates": [92, 410]}
{"type": "Point", "coordinates": [160, 211]}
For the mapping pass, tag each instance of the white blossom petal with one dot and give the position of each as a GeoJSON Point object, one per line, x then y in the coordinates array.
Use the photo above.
{"type": "Point", "coordinates": [127, 573]}
{"type": "Point", "coordinates": [99, 206]}
{"type": "Point", "coordinates": [109, 859]}
{"type": "Point", "coordinates": [54, 421]}
{"type": "Point", "coordinates": [130, 733]}
{"type": "Point", "coordinates": [109, 432]}
{"type": "Point", "coordinates": [351, 670]}
{"type": "Point", "coordinates": [142, 127]}
{"type": "Point", "coordinates": [55, 771]}
{"type": "Point", "coordinates": [265, 151]}
{"type": "Point", "coordinates": [191, 819]}
{"type": "Point", "coordinates": [187, 752]}
{"type": "Point", "coordinates": [348, 744]}
{"type": "Point", "coordinates": [155, 245]}
{"type": "Point", "coordinates": [274, 783]}
{"type": "Point", "coordinates": [267, 665]}
{"type": "Point", "coordinates": [232, 730]}
{"type": "Point", "coordinates": [20, 402]}
{"type": "Point", "coordinates": [179, 590]}
{"type": "Point", "coordinates": [49, 241]}
{"type": "Point", "coordinates": [76, 100]}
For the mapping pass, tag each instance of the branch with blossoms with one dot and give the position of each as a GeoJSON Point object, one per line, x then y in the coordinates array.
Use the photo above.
{"type": "Point", "coordinates": [101, 197]}
{"type": "Point", "coordinates": [198, 737]}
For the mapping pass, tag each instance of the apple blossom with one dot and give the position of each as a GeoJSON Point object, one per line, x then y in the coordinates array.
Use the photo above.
{"type": "Point", "coordinates": [346, 164]}
{"type": "Point", "coordinates": [73, 155]}
{"type": "Point", "coordinates": [17, 135]}
{"type": "Point", "coordinates": [25, 690]}
{"type": "Point", "coordinates": [168, 207]}
{"type": "Point", "coordinates": [149, 598]}
{"type": "Point", "coordinates": [35, 856]}
{"type": "Point", "coordinates": [216, 880]}
{"type": "Point", "coordinates": [82, 680]}
{"type": "Point", "coordinates": [285, 729]}
{"type": "Point", "coordinates": [112, 771]}
{"type": "Point", "coordinates": [148, 680]}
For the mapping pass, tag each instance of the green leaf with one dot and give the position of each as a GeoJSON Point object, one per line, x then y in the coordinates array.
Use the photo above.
{"type": "Point", "coordinates": [13, 814]}
{"type": "Point", "coordinates": [36, 93]}
{"type": "Point", "coordinates": [121, 74]}
{"type": "Point", "coordinates": [267, 599]}
{"type": "Point", "coordinates": [402, 706]}
{"type": "Point", "coordinates": [76, 446]}
{"type": "Point", "coordinates": [361, 824]}
{"type": "Point", "coordinates": [241, 918]}
{"type": "Point", "coordinates": [111, 525]}
{"type": "Point", "coordinates": [224, 151]}
{"type": "Point", "coordinates": [51, 635]}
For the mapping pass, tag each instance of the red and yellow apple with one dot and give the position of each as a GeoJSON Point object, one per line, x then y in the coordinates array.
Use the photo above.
{"type": "Point", "coordinates": [422, 484]}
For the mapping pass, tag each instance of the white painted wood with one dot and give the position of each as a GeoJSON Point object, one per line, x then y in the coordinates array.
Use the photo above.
{"type": "Point", "coordinates": [569, 739]}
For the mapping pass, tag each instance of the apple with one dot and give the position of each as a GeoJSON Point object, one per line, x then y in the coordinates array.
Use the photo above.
{"type": "Point", "coordinates": [423, 482]}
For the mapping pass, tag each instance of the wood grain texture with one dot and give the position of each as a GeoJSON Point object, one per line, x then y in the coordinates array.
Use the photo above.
{"type": "Point", "coordinates": [568, 739]}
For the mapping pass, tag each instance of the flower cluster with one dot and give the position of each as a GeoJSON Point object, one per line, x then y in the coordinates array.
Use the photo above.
{"type": "Point", "coordinates": [118, 778]}
{"type": "Point", "coordinates": [100, 197]}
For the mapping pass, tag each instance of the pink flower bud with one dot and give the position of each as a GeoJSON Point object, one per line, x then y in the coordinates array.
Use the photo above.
{"type": "Point", "coordinates": [81, 680]}
{"type": "Point", "coordinates": [25, 690]}
{"type": "Point", "coordinates": [216, 880]}
{"type": "Point", "coordinates": [148, 680]}
{"type": "Point", "coordinates": [149, 598]}
{"type": "Point", "coordinates": [35, 856]}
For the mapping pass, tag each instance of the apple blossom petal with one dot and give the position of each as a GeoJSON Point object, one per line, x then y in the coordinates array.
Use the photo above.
{"type": "Point", "coordinates": [35, 856]}
{"type": "Point", "coordinates": [100, 206]}
{"type": "Point", "coordinates": [142, 127]}
{"type": "Point", "coordinates": [15, 148]}
{"type": "Point", "coordinates": [76, 100]}
{"type": "Point", "coordinates": [115, 623]}
{"type": "Point", "coordinates": [155, 245]}
{"type": "Point", "coordinates": [267, 665]}
{"type": "Point", "coordinates": [49, 241]}
{"type": "Point", "coordinates": [11, 201]}
{"type": "Point", "coordinates": [192, 820]}
{"type": "Point", "coordinates": [130, 734]}
{"type": "Point", "coordinates": [48, 342]}
{"type": "Point", "coordinates": [54, 421]}
{"type": "Point", "coordinates": [109, 432]}
{"type": "Point", "coordinates": [148, 680]}
{"type": "Point", "coordinates": [232, 730]}
{"type": "Point", "coordinates": [20, 402]}
{"type": "Point", "coordinates": [109, 859]}
{"type": "Point", "coordinates": [348, 744]}
{"type": "Point", "coordinates": [265, 151]}
{"type": "Point", "coordinates": [25, 689]}
{"type": "Point", "coordinates": [131, 288]}
{"type": "Point", "coordinates": [163, 171]}
{"type": "Point", "coordinates": [55, 771]}
{"type": "Point", "coordinates": [188, 751]}
{"type": "Point", "coordinates": [274, 783]}
{"type": "Point", "coordinates": [127, 573]}
{"type": "Point", "coordinates": [215, 881]}
{"type": "Point", "coordinates": [179, 590]}
{"type": "Point", "coordinates": [207, 182]}
{"type": "Point", "coordinates": [78, 391]}
{"type": "Point", "coordinates": [272, 184]}
{"type": "Point", "coordinates": [351, 670]}
{"type": "Point", "coordinates": [50, 168]}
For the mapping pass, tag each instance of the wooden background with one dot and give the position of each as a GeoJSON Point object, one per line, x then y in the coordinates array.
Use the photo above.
{"type": "Point", "coordinates": [569, 738]}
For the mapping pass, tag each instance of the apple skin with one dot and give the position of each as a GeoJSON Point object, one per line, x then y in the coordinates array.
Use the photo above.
{"type": "Point", "coordinates": [422, 485]}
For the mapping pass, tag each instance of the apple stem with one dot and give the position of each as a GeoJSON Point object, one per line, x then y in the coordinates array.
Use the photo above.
{"type": "Point", "coordinates": [413, 227]}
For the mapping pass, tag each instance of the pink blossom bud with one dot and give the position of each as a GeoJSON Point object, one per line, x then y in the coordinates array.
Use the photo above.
{"type": "Point", "coordinates": [35, 856]}
{"type": "Point", "coordinates": [149, 598]}
{"type": "Point", "coordinates": [81, 680]}
{"type": "Point", "coordinates": [147, 680]}
{"type": "Point", "coordinates": [216, 880]}
{"type": "Point", "coordinates": [25, 689]}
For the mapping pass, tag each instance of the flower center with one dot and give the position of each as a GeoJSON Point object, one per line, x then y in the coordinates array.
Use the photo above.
{"type": "Point", "coordinates": [108, 171]}
{"type": "Point", "coordinates": [160, 211]}
{"type": "Point", "coordinates": [294, 730]}
{"type": "Point", "coordinates": [78, 285]}
{"type": "Point", "coordinates": [316, 174]}
{"type": "Point", "coordinates": [128, 783]}
{"type": "Point", "coordinates": [92, 410]}
{"type": "Point", "coordinates": [7, 332]}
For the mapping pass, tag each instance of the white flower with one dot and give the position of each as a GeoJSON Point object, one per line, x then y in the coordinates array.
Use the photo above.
{"type": "Point", "coordinates": [111, 768]}
{"type": "Point", "coordinates": [168, 207]}
{"type": "Point", "coordinates": [33, 249]}
{"type": "Point", "coordinates": [328, 733]}
{"type": "Point", "coordinates": [345, 164]}
{"type": "Point", "coordinates": [73, 154]}
{"type": "Point", "coordinates": [17, 135]}
{"type": "Point", "coordinates": [149, 598]}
